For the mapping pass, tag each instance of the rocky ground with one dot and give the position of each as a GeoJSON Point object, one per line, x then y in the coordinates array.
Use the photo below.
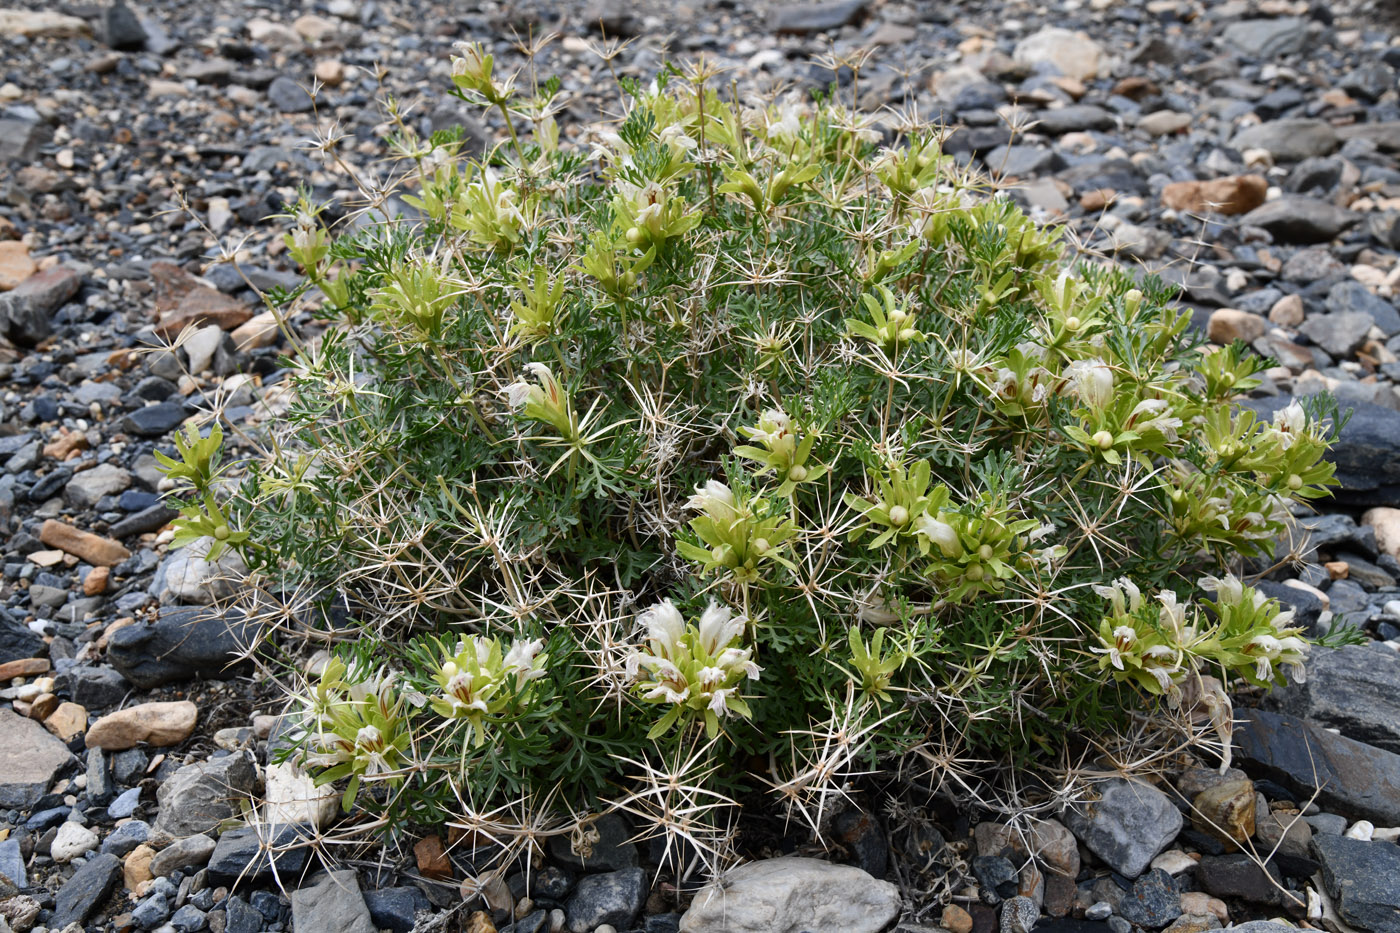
{"type": "Point", "coordinates": [1244, 150]}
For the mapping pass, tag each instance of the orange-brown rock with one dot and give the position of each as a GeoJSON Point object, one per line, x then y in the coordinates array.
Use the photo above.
{"type": "Point", "coordinates": [1237, 194]}
{"type": "Point", "coordinates": [24, 667]}
{"type": "Point", "coordinates": [149, 724]}
{"type": "Point", "coordinates": [66, 444]}
{"type": "Point", "coordinates": [95, 583]}
{"type": "Point", "coordinates": [95, 549]}
{"type": "Point", "coordinates": [182, 300]}
{"type": "Point", "coordinates": [67, 721]}
{"type": "Point", "coordinates": [15, 264]}
{"type": "Point", "coordinates": [432, 858]}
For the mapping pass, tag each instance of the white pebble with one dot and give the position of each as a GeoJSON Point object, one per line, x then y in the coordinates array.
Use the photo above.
{"type": "Point", "coordinates": [1361, 829]}
{"type": "Point", "coordinates": [1392, 608]}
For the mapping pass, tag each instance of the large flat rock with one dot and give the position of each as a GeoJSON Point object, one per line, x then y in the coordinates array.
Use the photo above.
{"type": "Point", "coordinates": [30, 758]}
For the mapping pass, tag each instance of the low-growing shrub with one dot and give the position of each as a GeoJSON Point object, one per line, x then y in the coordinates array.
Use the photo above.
{"type": "Point", "coordinates": [742, 450]}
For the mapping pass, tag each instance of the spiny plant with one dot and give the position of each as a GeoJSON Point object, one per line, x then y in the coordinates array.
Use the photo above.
{"type": "Point", "coordinates": [740, 450]}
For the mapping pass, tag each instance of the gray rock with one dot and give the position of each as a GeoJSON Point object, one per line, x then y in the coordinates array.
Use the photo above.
{"type": "Point", "coordinates": [1127, 826]}
{"type": "Point", "coordinates": [612, 850]}
{"type": "Point", "coordinates": [25, 311]}
{"type": "Point", "coordinates": [127, 836]}
{"type": "Point", "coordinates": [1073, 118]}
{"type": "Point", "coordinates": [155, 420]}
{"type": "Point", "coordinates": [396, 909]}
{"type": "Point", "coordinates": [30, 758]}
{"type": "Point", "coordinates": [997, 878]}
{"type": "Point", "coordinates": [241, 917]}
{"type": "Point", "coordinates": [1385, 134]}
{"type": "Point", "coordinates": [1267, 38]}
{"type": "Point", "coordinates": [244, 855]}
{"type": "Point", "coordinates": [88, 486]}
{"type": "Point", "coordinates": [99, 778]}
{"type": "Point", "coordinates": [1020, 161]}
{"type": "Point", "coordinates": [196, 798]}
{"type": "Point", "coordinates": [20, 139]}
{"type": "Point", "coordinates": [786, 895]}
{"type": "Point", "coordinates": [181, 644]}
{"type": "Point", "coordinates": [1327, 824]}
{"type": "Point", "coordinates": [1297, 219]}
{"type": "Point", "coordinates": [614, 897]}
{"type": "Point", "coordinates": [800, 19]}
{"type": "Point", "coordinates": [1352, 296]}
{"type": "Point", "coordinates": [125, 805]}
{"type": "Point", "coordinates": [1238, 875]}
{"type": "Point", "coordinates": [1341, 335]}
{"type": "Point", "coordinates": [94, 687]}
{"type": "Point", "coordinates": [12, 865]}
{"type": "Point", "coordinates": [288, 96]}
{"type": "Point", "coordinates": [1346, 775]}
{"type": "Point", "coordinates": [1369, 81]}
{"type": "Point", "coordinates": [151, 912]}
{"type": "Point", "coordinates": [1364, 878]}
{"type": "Point", "coordinates": [1288, 140]}
{"type": "Point", "coordinates": [188, 919]}
{"type": "Point", "coordinates": [332, 905]}
{"type": "Point", "coordinates": [189, 852]}
{"type": "Point", "coordinates": [89, 886]}
{"type": "Point", "coordinates": [18, 642]}
{"type": "Point", "coordinates": [1152, 902]}
{"type": "Point", "coordinates": [122, 29]}
{"type": "Point", "coordinates": [1355, 689]}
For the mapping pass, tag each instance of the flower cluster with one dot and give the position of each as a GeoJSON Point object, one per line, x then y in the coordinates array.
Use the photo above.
{"type": "Point", "coordinates": [694, 669]}
{"type": "Point", "coordinates": [478, 682]}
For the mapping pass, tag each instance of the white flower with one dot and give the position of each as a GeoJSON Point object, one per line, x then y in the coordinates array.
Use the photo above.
{"type": "Point", "coordinates": [664, 626]}
{"type": "Point", "coordinates": [1093, 382]}
{"type": "Point", "coordinates": [664, 691]}
{"type": "Point", "coordinates": [939, 532]}
{"type": "Point", "coordinates": [1124, 637]}
{"type": "Point", "coordinates": [732, 658]}
{"type": "Point", "coordinates": [675, 136]}
{"type": "Point", "coordinates": [519, 393]}
{"type": "Point", "coordinates": [1290, 422]}
{"type": "Point", "coordinates": [1122, 593]}
{"type": "Point", "coordinates": [718, 629]}
{"type": "Point", "coordinates": [521, 659]}
{"type": "Point", "coordinates": [714, 499]}
{"type": "Point", "coordinates": [711, 677]}
{"type": "Point", "coordinates": [1228, 589]}
{"type": "Point", "coordinates": [368, 737]}
{"type": "Point", "coordinates": [1172, 614]}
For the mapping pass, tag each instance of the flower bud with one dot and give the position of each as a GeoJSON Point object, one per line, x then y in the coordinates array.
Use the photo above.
{"type": "Point", "coordinates": [899, 515]}
{"type": "Point", "coordinates": [985, 552]}
{"type": "Point", "coordinates": [634, 235]}
{"type": "Point", "coordinates": [1103, 440]}
{"type": "Point", "coordinates": [1072, 324]}
{"type": "Point", "coordinates": [1295, 482]}
{"type": "Point", "coordinates": [221, 533]}
{"type": "Point", "coordinates": [798, 473]}
{"type": "Point", "coordinates": [760, 546]}
{"type": "Point", "coordinates": [974, 572]}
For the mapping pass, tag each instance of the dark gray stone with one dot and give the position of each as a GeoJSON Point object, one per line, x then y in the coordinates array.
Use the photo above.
{"type": "Point", "coordinates": [614, 897]}
{"type": "Point", "coordinates": [17, 642]}
{"type": "Point", "coordinates": [612, 850]}
{"type": "Point", "coordinates": [396, 908]}
{"type": "Point", "coordinates": [20, 139]}
{"type": "Point", "coordinates": [1127, 826]}
{"type": "Point", "coordinates": [1238, 875]}
{"type": "Point", "coordinates": [1364, 879]}
{"type": "Point", "coordinates": [182, 643]}
{"type": "Point", "coordinates": [240, 917]}
{"type": "Point", "coordinates": [997, 878]}
{"type": "Point", "coordinates": [86, 890]}
{"type": "Point", "coordinates": [1289, 140]}
{"type": "Point", "coordinates": [1351, 295]}
{"type": "Point", "coordinates": [1267, 38]}
{"type": "Point", "coordinates": [122, 29]}
{"type": "Point", "coordinates": [155, 420]}
{"type": "Point", "coordinates": [1341, 334]}
{"type": "Point", "coordinates": [800, 19]}
{"type": "Point", "coordinates": [1073, 118]}
{"type": "Point", "coordinates": [126, 837]}
{"type": "Point", "coordinates": [1300, 220]}
{"type": "Point", "coordinates": [1152, 902]}
{"type": "Point", "coordinates": [1355, 689]}
{"type": "Point", "coordinates": [94, 687]}
{"type": "Point", "coordinates": [242, 854]}
{"type": "Point", "coordinates": [1347, 775]}
{"type": "Point", "coordinates": [30, 758]}
{"type": "Point", "coordinates": [288, 96]}
{"type": "Point", "coordinates": [151, 912]}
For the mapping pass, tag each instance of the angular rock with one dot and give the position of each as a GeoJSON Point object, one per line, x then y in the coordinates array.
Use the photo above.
{"type": "Point", "coordinates": [1152, 902]}
{"type": "Point", "coordinates": [1364, 880]}
{"type": "Point", "coordinates": [18, 642]}
{"type": "Point", "coordinates": [1341, 335]}
{"type": "Point", "coordinates": [183, 300]}
{"type": "Point", "coordinates": [1074, 54]}
{"type": "Point", "coordinates": [1237, 194]}
{"type": "Point", "coordinates": [198, 797]}
{"type": "Point", "coordinates": [293, 797]}
{"type": "Point", "coordinates": [25, 312]}
{"type": "Point", "coordinates": [396, 909]}
{"type": "Point", "coordinates": [1239, 875]}
{"type": "Point", "coordinates": [1350, 296]}
{"type": "Point", "coordinates": [1128, 825]}
{"type": "Point", "coordinates": [190, 852]}
{"type": "Point", "coordinates": [1288, 140]}
{"type": "Point", "coordinates": [1355, 689]}
{"type": "Point", "coordinates": [787, 895]}
{"type": "Point", "coordinates": [1346, 775]}
{"type": "Point", "coordinates": [86, 488]}
{"type": "Point", "coordinates": [250, 853]}
{"type": "Point", "coordinates": [181, 644]}
{"type": "Point", "coordinates": [614, 897]}
{"type": "Point", "coordinates": [1267, 38]}
{"type": "Point", "coordinates": [30, 759]}
{"type": "Point", "coordinates": [332, 905]}
{"type": "Point", "coordinates": [86, 890]}
{"type": "Point", "coordinates": [73, 840]}
{"type": "Point", "coordinates": [122, 29]}
{"type": "Point", "coordinates": [155, 420]}
{"type": "Point", "coordinates": [1301, 220]}
{"type": "Point", "coordinates": [95, 549]}
{"type": "Point", "coordinates": [160, 724]}
{"type": "Point", "coordinates": [800, 19]}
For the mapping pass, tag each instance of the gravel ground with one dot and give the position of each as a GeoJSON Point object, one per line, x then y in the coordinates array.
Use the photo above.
{"type": "Point", "coordinates": [1244, 150]}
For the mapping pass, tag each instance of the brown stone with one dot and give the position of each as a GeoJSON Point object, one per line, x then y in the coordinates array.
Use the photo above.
{"type": "Point", "coordinates": [330, 72]}
{"type": "Point", "coordinates": [480, 922]}
{"type": "Point", "coordinates": [1386, 523]}
{"type": "Point", "coordinates": [182, 300]}
{"type": "Point", "coordinates": [956, 920]}
{"type": "Point", "coordinates": [258, 331]}
{"type": "Point", "coordinates": [432, 858]}
{"type": "Point", "coordinates": [1226, 811]}
{"type": "Point", "coordinates": [66, 722]}
{"type": "Point", "coordinates": [67, 444]}
{"type": "Point", "coordinates": [1230, 324]}
{"type": "Point", "coordinates": [42, 706]}
{"type": "Point", "coordinates": [1236, 194]}
{"type": "Point", "coordinates": [95, 583]}
{"type": "Point", "coordinates": [1287, 311]}
{"type": "Point", "coordinates": [150, 724]}
{"type": "Point", "coordinates": [1135, 87]}
{"type": "Point", "coordinates": [1097, 199]}
{"type": "Point", "coordinates": [95, 549]}
{"type": "Point", "coordinates": [15, 264]}
{"type": "Point", "coordinates": [136, 869]}
{"type": "Point", "coordinates": [1338, 569]}
{"type": "Point", "coordinates": [30, 758]}
{"type": "Point", "coordinates": [24, 667]}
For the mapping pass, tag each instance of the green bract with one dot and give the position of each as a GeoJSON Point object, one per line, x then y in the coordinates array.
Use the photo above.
{"type": "Point", "coordinates": [784, 370]}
